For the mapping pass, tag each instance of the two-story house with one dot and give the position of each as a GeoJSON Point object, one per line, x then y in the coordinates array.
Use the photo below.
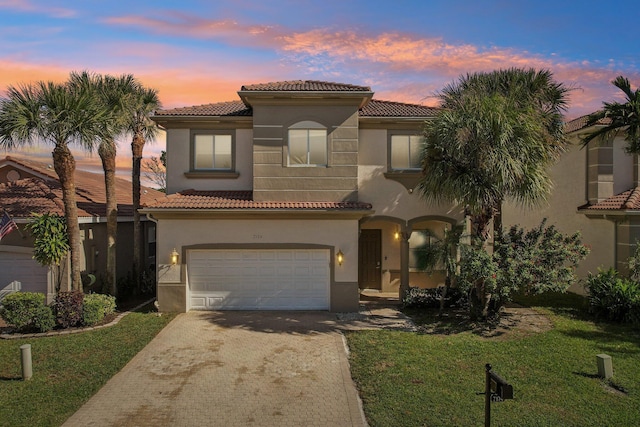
{"type": "Point", "coordinates": [295, 196]}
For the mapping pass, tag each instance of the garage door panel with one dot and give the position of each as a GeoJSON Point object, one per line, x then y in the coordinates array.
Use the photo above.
{"type": "Point", "coordinates": [22, 268]}
{"type": "Point", "coordinates": [259, 279]}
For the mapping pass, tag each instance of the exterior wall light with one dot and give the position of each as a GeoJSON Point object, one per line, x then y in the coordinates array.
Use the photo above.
{"type": "Point", "coordinates": [340, 257]}
{"type": "Point", "coordinates": [175, 257]}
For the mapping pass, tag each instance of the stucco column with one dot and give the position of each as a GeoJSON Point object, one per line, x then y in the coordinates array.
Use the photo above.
{"type": "Point", "coordinates": [404, 263]}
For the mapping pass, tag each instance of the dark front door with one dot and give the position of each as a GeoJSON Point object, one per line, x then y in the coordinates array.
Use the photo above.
{"type": "Point", "coordinates": [369, 265]}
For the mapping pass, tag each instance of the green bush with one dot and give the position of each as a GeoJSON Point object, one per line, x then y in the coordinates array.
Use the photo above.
{"type": "Point", "coordinates": [430, 297]}
{"type": "Point", "coordinates": [67, 308]}
{"type": "Point", "coordinates": [613, 297]}
{"type": "Point", "coordinates": [27, 311]}
{"type": "Point", "coordinates": [96, 307]}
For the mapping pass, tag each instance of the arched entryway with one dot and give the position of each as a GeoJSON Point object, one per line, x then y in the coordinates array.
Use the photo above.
{"type": "Point", "coordinates": [386, 252]}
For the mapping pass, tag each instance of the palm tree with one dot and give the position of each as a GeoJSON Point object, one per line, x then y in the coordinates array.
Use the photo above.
{"type": "Point", "coordinates": [142, 103]}
{"type": "Point", "coordinates": [113, 92]}
{"type": "Point", "coordinates": [622, 117]}
{"type": "Point", "coordinates": [441, 252]}
{"type": "Point", "coordinates": [54, 113]}
{"type": "Point", "coordinates": [493, 139]}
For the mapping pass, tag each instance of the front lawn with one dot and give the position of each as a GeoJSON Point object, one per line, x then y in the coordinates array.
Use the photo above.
{"type": "Point", "coordinates": [69, 369]}
{"type": "Point", "coordinates": [413, 379]}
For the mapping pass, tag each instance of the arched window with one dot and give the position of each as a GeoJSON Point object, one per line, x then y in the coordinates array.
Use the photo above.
{"type": "Point", "coordinates": [307, 144]}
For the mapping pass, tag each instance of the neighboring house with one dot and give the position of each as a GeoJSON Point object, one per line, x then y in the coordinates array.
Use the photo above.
{"type": "Point", "coordinates": [294, 197]}
{"type": "Point", "coordinates": [28, 187]}
{"type": "Point", "coordinates": [596, 191]}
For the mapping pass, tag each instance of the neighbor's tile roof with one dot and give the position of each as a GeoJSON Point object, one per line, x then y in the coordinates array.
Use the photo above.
{"type": "Point", "coordinates": [581, 122]}
{"type": "Point", "coordinates": [44, 195]}
{"type": "Point", "coordinates": [305, 86]}
{"type": "Point", "coordinates": [629, 200]}
{"type": "Point", "coordinates": [194, 199]}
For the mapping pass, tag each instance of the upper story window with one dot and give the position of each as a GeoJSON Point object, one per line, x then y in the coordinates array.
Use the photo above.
{"type": "Point", "coordinates": [406, 152]}
{"type": "Point", "coordinates": [212, 152]}
{"type": "Point", "coordinates": [307, 144]}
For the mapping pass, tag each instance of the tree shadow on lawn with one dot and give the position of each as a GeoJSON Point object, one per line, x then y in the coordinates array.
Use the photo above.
{"type": "Point", "coordinates": [609, 336]}
{"type": "Point", "coordinates": [513, 321]}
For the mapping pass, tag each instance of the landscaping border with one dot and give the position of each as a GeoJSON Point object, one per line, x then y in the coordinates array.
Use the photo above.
{"type": "Point", "coordinates": [75, 330]}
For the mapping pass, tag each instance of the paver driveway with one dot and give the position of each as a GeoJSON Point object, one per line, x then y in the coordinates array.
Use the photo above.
{"type": "Point", "coordinates": [233, 369]}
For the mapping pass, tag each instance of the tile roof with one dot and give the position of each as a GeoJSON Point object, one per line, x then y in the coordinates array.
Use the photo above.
{"type": "Point", "coordinates": [305, 86]}
{"type": "Point", "coordinates": [194, 199]}
{"type": "Point", "coordinates": [629, 200]}
{"type": "Point", "coordinates": [581, 122]}
{"type": "Point", "coordinates": [230, 108]}
{"type": "Point", "coordinates": [41, 195]}
{"type": "Point", "coordinates": [377, 108]}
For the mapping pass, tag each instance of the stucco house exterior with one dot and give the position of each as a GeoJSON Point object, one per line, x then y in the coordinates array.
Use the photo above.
{"type": "Point", "coordinates": [28, 186]}
{"type": "Point", "coordinates": [295, 196]}
{"type": "Point", "coordinates": [596, 191]}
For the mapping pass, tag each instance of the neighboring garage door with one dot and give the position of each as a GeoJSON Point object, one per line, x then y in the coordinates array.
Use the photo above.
{"type": "Point", "coordinates": [259, 279]}
{"type": "Point", "coordinates": [21, 267]}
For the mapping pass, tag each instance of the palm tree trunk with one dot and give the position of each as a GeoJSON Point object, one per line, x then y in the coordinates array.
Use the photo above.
{"type": "Point", "coordinates": [107, 152]}
{"type": "Point", "coordinates": [479, 298]}
{"type": "Point", "coordinates": [65, 166]}
{"type": "Point", "coordinates": [137, 145]}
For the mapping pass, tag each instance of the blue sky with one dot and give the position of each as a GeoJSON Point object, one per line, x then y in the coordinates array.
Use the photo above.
{"type": "Point", "coordinates": [196, 52]}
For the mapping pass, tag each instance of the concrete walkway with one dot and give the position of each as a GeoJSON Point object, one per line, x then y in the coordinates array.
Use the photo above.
{"type": "Point", "coordinates": [239, 369]}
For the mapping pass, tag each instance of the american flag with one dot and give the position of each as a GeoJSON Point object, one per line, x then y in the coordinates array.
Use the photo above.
{"type": "Point", "coordinates": [7, 224]}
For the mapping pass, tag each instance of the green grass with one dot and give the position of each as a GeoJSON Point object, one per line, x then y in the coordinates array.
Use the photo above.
{"type": "Point", "coordinates": [410, 379]}
{"type": "Point", "coordinates": [68, 369]}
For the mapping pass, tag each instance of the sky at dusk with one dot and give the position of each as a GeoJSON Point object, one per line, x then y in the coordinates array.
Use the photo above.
{"type": "Point", "coordinates": [197, 52]}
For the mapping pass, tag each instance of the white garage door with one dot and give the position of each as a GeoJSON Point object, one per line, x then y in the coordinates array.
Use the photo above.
{"type": "Point", "coordinates": [21, 267]}
{"type": "Point", "coordinates": [264, 279]}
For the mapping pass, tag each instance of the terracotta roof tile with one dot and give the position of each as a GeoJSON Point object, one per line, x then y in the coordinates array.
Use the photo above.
{"type": "Point", "coordinates": [581, 122]}
{"type": "Point", "coordinates": [629, 200]}
{"type": "Point", "coordinates": [193, 199]}
{"type": "Point", "coordinates": [374, 108]}
{"type": "Point", "coordinates": [40, 195]}
{"type": "Point", "coordinates": [230, 108]}
{"type": "Point", "coordinates": [377, 108]}
{"type": "Point", "coordinates": [305, 86]}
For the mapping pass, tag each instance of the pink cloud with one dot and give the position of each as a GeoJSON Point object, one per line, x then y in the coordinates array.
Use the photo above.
{"type": "Point", "coordinates": [29, 6]}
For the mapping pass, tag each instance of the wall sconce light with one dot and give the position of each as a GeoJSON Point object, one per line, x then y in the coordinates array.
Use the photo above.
{"type": "Point", "coordinates": [340, 257]}
{"type": "Point", "coordinates": [396, 235]}
{"type": "Point", "coordinates": [175, 257]}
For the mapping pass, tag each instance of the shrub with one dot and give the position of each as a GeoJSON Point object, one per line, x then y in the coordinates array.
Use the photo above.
{"type": "Point", "coordinates": [27, 310]}
{"type": "Point", "coordinates": [430, 297]}
{"type": "Point", "coordinates": [43, 319]}
{"type": "Point", "coordinates": [67, 308]}
{"type": "Point", "coordinates": [96, 307]}
{"type": "Point", "coordinates": [613, 297]}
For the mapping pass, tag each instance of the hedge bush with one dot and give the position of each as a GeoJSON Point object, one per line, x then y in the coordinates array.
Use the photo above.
{"type": "Point", "coordinates": [430, 297]}
{"type": "Point", "coordinates": [27, 311]}
{"type": "Point", "coordinates": [67, 308]}
{"type": "Point", "coordinates": [96, 307]}
{"type": "Point", "coordinates": [613, 297]}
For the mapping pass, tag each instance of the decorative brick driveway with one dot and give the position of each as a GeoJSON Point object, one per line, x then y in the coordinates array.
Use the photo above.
{"type": "Point", "coordinates": [234, 369]}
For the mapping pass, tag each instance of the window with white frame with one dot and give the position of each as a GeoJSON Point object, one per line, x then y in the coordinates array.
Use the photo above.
{"type": "Point", "coordinates": [406, 152]}
{"type": "Point", "coordinates": [212, 152]}
{"type": "Point", "coordinates": [307, 144]}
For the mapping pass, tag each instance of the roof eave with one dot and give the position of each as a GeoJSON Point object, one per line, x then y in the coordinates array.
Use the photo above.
{"type": "Point", "coordinates": [365, 96]}
{"type": "Point", "coordinates": [159, 213]}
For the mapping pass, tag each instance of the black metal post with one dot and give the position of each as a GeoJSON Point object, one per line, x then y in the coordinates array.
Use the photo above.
{"type": "Point", "coordinates": [487, 396]}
